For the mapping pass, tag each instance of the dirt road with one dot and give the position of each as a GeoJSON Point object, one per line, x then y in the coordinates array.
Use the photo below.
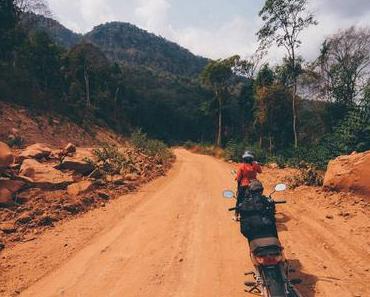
{"type": "Point", "coordinates": [176, 238]}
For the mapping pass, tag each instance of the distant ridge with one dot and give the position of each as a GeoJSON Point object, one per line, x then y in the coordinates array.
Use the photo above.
{"type": "Point", "coordinates": [128, 45]}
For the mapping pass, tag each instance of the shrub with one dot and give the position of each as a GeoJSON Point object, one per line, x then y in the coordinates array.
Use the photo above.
{"type": "Point", "coordinates": [111, 161]}
{"type": "Point", "coordinates": [16, 141]}
{"type": "Point", "coordinates": [307, 175]}
{"type": "Point", "coordinates": [151, 147]}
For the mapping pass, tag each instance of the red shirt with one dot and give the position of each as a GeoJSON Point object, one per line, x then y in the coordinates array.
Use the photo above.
{"type": "Point", "coordinates": [247, 172]}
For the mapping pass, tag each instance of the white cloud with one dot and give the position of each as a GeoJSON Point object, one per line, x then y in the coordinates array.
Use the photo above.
{"type": "Point", "coordinates": [153, 15]}
{"type": "Point", "coordinates": [233, 32]}
{"type": "Point", "coordinates": [233, 37]}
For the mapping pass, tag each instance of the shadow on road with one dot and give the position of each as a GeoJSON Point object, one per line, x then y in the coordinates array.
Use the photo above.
{"type": "Point", "coordinates": [308, 285]}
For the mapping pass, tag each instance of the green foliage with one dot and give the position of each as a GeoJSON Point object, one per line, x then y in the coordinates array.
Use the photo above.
{"type": "Point", "coordinates": [151, 147]}
{"type": "Point", "coordinates": [110, 161]}
{"type": "Point", "coordinates": [16, 141]}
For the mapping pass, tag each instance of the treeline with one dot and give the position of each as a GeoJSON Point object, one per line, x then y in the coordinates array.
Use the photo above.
{"type": "Point", "coordinates": [294, 111]}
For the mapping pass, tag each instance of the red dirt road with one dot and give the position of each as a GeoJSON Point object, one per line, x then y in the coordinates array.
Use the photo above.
{"type": "Point", "coordinates": [175, 238]}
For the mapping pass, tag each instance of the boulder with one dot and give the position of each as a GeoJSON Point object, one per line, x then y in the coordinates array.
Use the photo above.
{"type": "Point", "coordinates": [70, 148]}
{"type": "Point", "coordinates": [78, 162]}
{"type": "Point", "coordinates": [5, 196]}
{"type": "Point", "coordinates": [35, 151]}
{"type": "Point", "coordinates": [44, 175]}
{"type": "Point", "coordinates": [12, 185]}
{"type": "Point", "coordinates": [80, 188]}
{"type": "Point", "coordinates": [349, 173]}
{"type": "Point", "coordinates": [8, 188]}
{"type": "Point", "coordinates": [6, 156]}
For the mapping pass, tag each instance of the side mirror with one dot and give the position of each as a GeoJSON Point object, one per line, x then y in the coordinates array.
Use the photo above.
{"type": "Point", "coordinates": [228, 194]}
{"type": "Point", "coordinates": [280, 187]}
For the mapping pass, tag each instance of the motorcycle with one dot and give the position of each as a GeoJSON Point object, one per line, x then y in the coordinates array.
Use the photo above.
{"type": "Point", "coordinates": [271, 273]}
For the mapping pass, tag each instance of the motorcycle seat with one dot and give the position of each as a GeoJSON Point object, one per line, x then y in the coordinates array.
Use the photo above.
{"type": "Point", "coordinates": [267, 242]}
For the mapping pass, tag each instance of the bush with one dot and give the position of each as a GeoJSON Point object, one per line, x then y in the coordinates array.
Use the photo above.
{"type": "Point", "coordinates": [110, 161]}
{"type": "Point", "coordinates": [148, 146]}
{"type": "Point", "coordinates": [308, 175]}
{"type": "Point", "coordinates": [16, 142]}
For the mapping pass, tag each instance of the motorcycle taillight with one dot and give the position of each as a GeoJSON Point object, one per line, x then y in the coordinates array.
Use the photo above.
{"type": "Point", "coordinates": [269, 259]}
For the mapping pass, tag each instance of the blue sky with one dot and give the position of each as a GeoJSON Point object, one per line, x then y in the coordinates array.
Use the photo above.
{"type": "Point", "coordinates": [212, 28]}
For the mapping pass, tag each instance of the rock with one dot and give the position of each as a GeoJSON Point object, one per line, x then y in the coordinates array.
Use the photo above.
{"type": "Point", "coordinates": [12, 185]}
{"type": "Point", "coordinates": [5, 196]}
{"type": "Point", "coordinates": [131, 177]}
{"type": "Point", "coordinates": [70, 148]}
{"type": "Point", "coordinates": [80, 188]}
{"type": "Point", "coordinates": [46, 220]}
{"type": "Point", "coordinates": [116, 179]}
{"type": "Point", "coordinates": [6, 156]}
{"type": "Point", "coordinates": [44, 176]}
{"type": "Point", "coordinates": [24, 218]}
{"type": "Point", "coordinates": [2, 246]}
{"type": "Point", "coordinates": [35, 151]}
{"type": "Point", "coordinates": [330, 217]}
{"type": "Point", "coordinates": [349, 173]}
{"type": "Point", "coordinates": [78, 162]}
{"type": "Point", "coordinates": [7, 227]}
{"type": "Point", "coordinates": [103, 195]}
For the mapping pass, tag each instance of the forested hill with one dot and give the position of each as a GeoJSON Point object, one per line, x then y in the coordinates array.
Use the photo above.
{"type": "Point", "coordinates": [61, 35]}
{"type": "Point", "coordinates": [126, 44]}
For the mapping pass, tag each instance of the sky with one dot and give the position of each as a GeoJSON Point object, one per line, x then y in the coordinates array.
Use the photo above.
{"type": "Point", "coordinates": [210, 28]}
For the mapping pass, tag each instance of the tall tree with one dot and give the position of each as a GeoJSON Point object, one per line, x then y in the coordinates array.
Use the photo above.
{"type": "Point", "coordinates": [216, 75]}
{"type": "Point", "coordinates": [284, 21]}
{"type": "Point", "coordinates": [8, 21]}
{"type": "Point", "coordinates": [343, 69]}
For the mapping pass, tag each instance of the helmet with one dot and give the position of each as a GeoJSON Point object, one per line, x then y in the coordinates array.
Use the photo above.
{"type": "Point", "coordinates": [256, 187]}
{"type": "Point", "coordinates": [248, 157]}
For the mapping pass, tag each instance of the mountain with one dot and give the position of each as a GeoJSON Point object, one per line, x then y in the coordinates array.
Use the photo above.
{"type": "Point", "coordinates": [60, 34]}
{"type": "Point", "coordinates": [127, 44]}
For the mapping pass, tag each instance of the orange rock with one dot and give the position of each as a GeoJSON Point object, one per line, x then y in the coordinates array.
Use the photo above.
{"type": "Point", "coordinates": [35, 151]}
{"type": "Point", "coordinates": [44, 175]}
{"type": "Point", "coordinates": [80, 188]}
{"type": "Point", "coordinates": [5, 196]}
{"type": "Point", "coordinates": [349, 173]}
{"type": "Point", "coordinates": [6, 156]}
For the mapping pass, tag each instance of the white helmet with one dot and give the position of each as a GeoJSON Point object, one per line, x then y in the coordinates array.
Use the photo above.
{"type": "Point", "coordinates": [248, 157]}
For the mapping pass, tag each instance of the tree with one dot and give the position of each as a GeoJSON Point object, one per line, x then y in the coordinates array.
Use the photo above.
{"type": "Point", "coordinates": [342, 70]}
{"type": "Point", "coordinates": [35, 6]}
{"type": "Point", "coordinates": [8, 21]}
{"type": "Point", "coordinates": [284, 22]}
{"type": "Point", "coordinates": [216, 75]}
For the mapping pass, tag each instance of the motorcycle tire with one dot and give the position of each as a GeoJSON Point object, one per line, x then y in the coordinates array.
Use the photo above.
{"type": "Point", "coordinates": [274, 282]}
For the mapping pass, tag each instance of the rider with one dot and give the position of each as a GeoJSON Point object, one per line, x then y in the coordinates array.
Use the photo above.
{"type": "Point", "coordinates": [257, 213]}
{"type": "Point", "coordinates": [247, 172]}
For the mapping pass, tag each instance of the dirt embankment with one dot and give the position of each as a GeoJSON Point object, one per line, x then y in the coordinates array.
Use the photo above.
{"type": "Point", "coordinates": [43, 184]}
{"type": "Point", "coordinates": [176, 238]}
{"type": "Point", "coordinates": [39, 127]}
